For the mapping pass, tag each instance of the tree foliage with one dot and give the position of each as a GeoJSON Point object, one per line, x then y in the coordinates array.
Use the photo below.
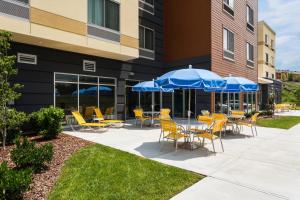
{"type": "Point", "coordinates": [8, 93]}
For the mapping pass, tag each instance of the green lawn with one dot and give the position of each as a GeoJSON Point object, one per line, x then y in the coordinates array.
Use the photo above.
{"type": "Point", "coordinates": [99, 172]}
{"type": "Point", "coordinates": [281, 122]}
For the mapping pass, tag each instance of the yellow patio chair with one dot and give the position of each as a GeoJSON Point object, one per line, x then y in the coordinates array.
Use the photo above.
{"type": "Point", "coordinates": [214, 132]}
{"type": "Point", "coordinates": [172, 131]}
{"type": "Point", "coordinates": [139, 116]}
{"type": "Point", "coordinates": [88, 113]}
{"type": "Point", "coordinates": [203, 120]}
{"type": "Point", "coordinates": [238, 113]}
{"type": "Point", "coordinates": [100, 118]}
{"type": "Point", "coordinates": [250, 123]}
{"type": "Point", "coordinates": [165, 114]}
{"type": "Point", "coordinates": [81, 122]}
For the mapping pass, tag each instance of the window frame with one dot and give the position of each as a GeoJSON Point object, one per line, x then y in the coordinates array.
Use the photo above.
{"type": "Point", "coordinates": [104, 18]}
{"type": "Point", "coordinates": [250, 26]}
{"type": "Point", "coordinates": [148, 4]}
{"type": "Point", "coordinates": [248, 45]}
{"type": "Point", "coordinates": [267, 60]}
{"type": "Point", "coordinates": [266, 40]}
{"type": "Point", "coordinates": [227, 50]}
{"type": "Point", "coordinates": [144, 48]}
{"type": "Point", "coordinates": [226, 5]}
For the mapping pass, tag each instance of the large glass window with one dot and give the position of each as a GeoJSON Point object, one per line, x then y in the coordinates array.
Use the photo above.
{"type": "Point", "coordinates": [250, 18]}
{"type": "Point", "coordinates": [229, 3]}
{"type": "Point", "coordinates": [66, 97]}
{"type": "Point", "coordinates": [105, 13]}
{"type": "Point", "coordinates": [146, 38]}
{"type": "Point", "coordinates": [83, 93]}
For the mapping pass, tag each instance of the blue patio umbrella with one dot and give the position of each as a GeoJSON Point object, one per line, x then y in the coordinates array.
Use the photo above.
{"type": "Point", "coordinates": [238, 84]}
{"type": "Point", "coordinates": [150, 86]}
{"type": "Point", "coordinates": [93, 90]}
{"type": "Point", "coordinates": [191, 78]}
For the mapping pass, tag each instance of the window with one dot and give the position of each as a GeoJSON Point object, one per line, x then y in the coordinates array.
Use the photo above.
{"type": "Point", "coordinates": [267, 74]}
{"type": "Point", "coordinates": [151, 2]}
{"type": "Point", "coordinates": [146, 38]}
{"type": "Point", "coordinates": [228, 44]}
{"type": "Point", "coordinates": [267, 58]}
{"type": "Point", "coordinates": [273, 76]}
{"type": "Point", "coordinates": [273, 45]}
{"type": "Point", "coordinates": [22, 1]}
{"type": "Point", "coordinates": [250, 18]}
{"type": "Point", "coordinates": [105, 13]}
{"type": "Point", "coordinates": [250, 55]}
{"type": "Point", "coordinates": [228, 6]}
{"type": "Point", "coordinates": [266, 39]}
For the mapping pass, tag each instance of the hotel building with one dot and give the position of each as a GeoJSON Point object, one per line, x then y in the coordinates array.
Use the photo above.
{"type": "Point", "coordinates": [75, 54]}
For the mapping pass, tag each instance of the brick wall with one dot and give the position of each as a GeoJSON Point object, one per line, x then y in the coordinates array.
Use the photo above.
{"type": "Point", "coordinates": [238, 25]}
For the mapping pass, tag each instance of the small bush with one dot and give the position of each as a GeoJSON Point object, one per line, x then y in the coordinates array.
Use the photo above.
{"type": "Point", "coordinates": [28, 155]}
{"type": "Point", "coordinates": [13, 183]}
{"type": "Point", "coordinates": [48, 121]}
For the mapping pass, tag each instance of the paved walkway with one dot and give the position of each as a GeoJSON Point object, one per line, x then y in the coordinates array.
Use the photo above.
{"type": "Point", "coordinates": [264, 167]}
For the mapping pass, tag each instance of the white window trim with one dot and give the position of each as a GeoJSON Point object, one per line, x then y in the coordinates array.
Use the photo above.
{"type": "Point", "coordinates": [232, 7]}
{"type": "Point", "coordinates": [104, 27]}
{"type": "Point", "coordinates": [247, 50]}
{"type": "Point", "coordinates": [247, 17]}
{"type": "Point", "coordinates": [225, 49]}
{"type": "Point", "coordinates": [143, 48]}
{"type": "Point", "coordinates": [152, 6]}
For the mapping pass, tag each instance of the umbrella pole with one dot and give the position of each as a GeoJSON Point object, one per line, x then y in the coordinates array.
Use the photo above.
{"type": "Point", "coordinates": [189, 119]}
{"type": "Point", "coordinates": [152, 108]}
{"type": "Point", "coordinates": [161, 99]}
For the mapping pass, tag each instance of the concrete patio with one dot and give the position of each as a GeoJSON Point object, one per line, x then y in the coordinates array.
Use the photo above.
{"type": "Point", "coordinates": [264, 167]}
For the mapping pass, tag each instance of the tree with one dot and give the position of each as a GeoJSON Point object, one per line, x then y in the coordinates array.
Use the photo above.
{"type": "Point", "coordinates": [8, 92]}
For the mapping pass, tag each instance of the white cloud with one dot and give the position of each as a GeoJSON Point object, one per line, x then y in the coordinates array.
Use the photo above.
{"type": "Point", "coordinates": [283, 16]}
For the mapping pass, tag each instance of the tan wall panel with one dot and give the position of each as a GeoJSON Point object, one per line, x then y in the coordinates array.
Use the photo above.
{"type": "Point", "coordinates": [73, 9]}
{"type": "Point", "coordinates": [14, 24]}
{"type": "Point", "coordinates": [129, 41]}
{"type": "Point", "coordinates": [129, 21]}
{"type": "Point", "coordinates": [57, 35]}
{"type": "Point", "coordinates": [130, 51]}
{"type": "Point", "coordinates": [44, 18]}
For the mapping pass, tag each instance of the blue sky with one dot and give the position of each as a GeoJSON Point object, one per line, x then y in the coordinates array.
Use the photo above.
{"type": "Point", "coordinates": [284, 17]}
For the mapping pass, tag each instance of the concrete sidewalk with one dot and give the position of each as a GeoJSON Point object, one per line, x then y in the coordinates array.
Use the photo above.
{"type": "Point", "coordinates": [264, 167]}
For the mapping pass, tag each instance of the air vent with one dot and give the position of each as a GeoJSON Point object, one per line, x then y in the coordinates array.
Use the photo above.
{"type": "Point", "coordinates": [27, 58]}
{"type": "Point", "coordinates": [89, 66]}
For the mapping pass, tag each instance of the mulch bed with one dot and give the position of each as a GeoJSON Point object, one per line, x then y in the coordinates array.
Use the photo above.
{"type": "Point", "coordinates": [42, 182]}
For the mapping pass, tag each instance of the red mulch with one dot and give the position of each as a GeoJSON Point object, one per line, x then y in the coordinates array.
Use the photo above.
{"type": "Point", "coordinates": [42, 182]}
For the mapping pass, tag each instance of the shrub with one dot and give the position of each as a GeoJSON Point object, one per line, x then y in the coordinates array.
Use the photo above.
{"type": "Point", "coordinates": [48, 121]}
{"type": "Point", "coordinates": [13, 183]}
{"type": "Point", "coordinates": [28, 155]}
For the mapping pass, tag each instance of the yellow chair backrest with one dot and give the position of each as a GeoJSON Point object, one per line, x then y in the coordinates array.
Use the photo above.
{"type": "Point", "coordinates": [168, 126]}
{"type": "Point", "coordinates": [237, 112]}
{"type": "Point", "coordinates": [109, 111]}
{"type": "Point", "coordinates": [78, 117]}
{"type": "Point", "coordinates": [98, 113]}
{"type": "Point", "coordinates": [138, 113]}
{"type": "Point", "coordinates": [165, 114]}
{"type": "Point", "coordinates": [89, 111]}
{"type": "Point", "coordinates": [254, 117]}
{"type": "Point", "coordinates": [205, 119]}
{"type": "Point", "coordinates": [219, 116]}
{"type": "Point", "coordinates": [218, 126]}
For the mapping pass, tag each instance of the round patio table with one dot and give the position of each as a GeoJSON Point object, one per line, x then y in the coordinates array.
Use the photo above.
{"type": "Point", "coordinates": [234, 119]}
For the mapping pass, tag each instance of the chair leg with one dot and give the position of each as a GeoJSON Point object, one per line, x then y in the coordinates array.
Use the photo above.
{"type": "Point", "coordinates": [252, 131]}
{"type": "Point", "coordinates": [160, 135]}
{"type": "Point", "coordinates": [141, 123]}
{"type": "Point", "coordinates": [212, 141]}
{"type": "Point", "coordinates": [222, 144]}
{"type": "Point", "coordinates": [176, 145]}
{"type": "Point", "coordinates": [203, 140]}
{"type": "Point", "coordinates": [255, 130]}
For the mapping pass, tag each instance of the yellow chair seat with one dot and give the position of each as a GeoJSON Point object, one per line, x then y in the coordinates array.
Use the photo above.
{"type": "Point", "coordinates": [94, 124]}
{"type": "Point", "coordinates": [111, 121]}
{"type": "Point", "coordinates": [206, 136]}
{"type": "Point", "coordinates": [175, 136]}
